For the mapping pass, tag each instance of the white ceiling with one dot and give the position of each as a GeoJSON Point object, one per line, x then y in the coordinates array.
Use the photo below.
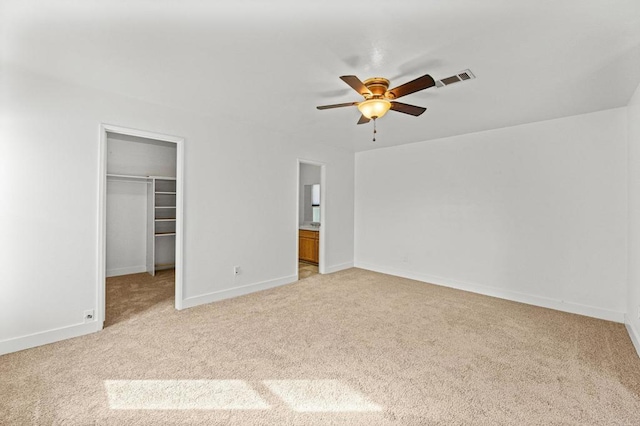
{"type": "Point", "coordinates": [269, 63]}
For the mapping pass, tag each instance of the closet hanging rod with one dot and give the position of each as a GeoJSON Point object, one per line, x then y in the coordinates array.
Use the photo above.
{"type": "Point", "coordinates": [128, 177]}
{"type": "Point", "coordinates": [148, 178]}
{"type": "Point", "coordinates": [163, 177]}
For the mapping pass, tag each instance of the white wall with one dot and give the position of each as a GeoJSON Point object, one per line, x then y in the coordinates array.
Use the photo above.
{"type": "Point", "coordinates": [632, 318]}
{"type": "Point", "coordinates": [127, 199]}
{"type": "Point", "coordinates": [309, 175]}
{"type": "Point", "coordinates": [535, 213]}
{"type": "Point", "coordinates": [49, 160]}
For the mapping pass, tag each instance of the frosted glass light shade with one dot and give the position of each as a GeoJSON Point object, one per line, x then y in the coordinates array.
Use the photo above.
{"type": "Point", "coordinates": [374, 107]}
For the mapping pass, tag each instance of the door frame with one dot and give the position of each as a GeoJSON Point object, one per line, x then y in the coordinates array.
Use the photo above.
{"type": "Point", "coordinates": [323, 217]}
{"type": "Point", "coordinates": [102, 212]}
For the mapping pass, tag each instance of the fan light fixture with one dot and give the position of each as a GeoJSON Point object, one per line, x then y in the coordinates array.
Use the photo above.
{"type": "Point", "coordinates": [378, 100]}
{"type": "Point", "coordinates": [374, 108]}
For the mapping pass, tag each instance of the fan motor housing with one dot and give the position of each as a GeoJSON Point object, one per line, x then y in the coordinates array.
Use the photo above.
{"type": "Point", "coordinates": [377, 85]}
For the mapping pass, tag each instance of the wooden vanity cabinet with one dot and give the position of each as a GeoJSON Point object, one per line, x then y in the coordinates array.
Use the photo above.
{"type": "Point", "coordinates": [308, 246]}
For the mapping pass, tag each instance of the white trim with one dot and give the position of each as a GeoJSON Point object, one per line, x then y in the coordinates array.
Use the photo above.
{"type": "Point", "coordinates": [49, 336]}
{"type": "Point", "coordinates": [179, 263]}
{"type": "Point", "coordinates": [297, 253]}
{"type": "Point", "coordinates": [102, 196]}
{"type": "Point", "coordinates": [116, 272]}
{"type": "Point", "coordinates": [237, 291]}
{"type": "Point", "coordinates": [339, 267]}
{"type": "Point", "coordinates": [515, 296]}
{"type": "Point", "coordinates": [322, 249]}
{"type": "Point", "coordinates": [141, 133]}
{"type": "Point", "coordinates": [633, 333]}
{"type": "Point", "coordinates": [101, 261]}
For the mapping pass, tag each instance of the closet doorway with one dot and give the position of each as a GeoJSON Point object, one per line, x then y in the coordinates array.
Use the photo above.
{"type": "Point", "coordinates": [140, 220]}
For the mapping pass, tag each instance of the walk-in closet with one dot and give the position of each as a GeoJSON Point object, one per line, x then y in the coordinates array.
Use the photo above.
{"type": "Point", "coordinates": [140, 223]}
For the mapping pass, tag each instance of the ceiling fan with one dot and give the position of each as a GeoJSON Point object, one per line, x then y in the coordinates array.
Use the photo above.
{"type": "Point", "coordinates": [378, 98]}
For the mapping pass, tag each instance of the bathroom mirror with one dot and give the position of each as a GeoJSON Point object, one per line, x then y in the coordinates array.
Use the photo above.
{"type": "Point", "coordinates": [312, 204]}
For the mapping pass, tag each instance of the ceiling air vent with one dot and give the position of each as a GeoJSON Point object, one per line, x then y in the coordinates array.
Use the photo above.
{"type": "Point", "coordinates": [461, 76]}
{"type": "Point", "coordinates": [450, 80]}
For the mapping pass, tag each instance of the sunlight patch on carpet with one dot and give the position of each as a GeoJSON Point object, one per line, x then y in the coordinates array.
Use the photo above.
{"type": "Point", "coordinates": [320, 396]}
{"type": "Point", "coordinates": [182, 395]}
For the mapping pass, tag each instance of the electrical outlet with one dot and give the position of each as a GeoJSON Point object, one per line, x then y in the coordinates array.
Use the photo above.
{"type": "Point", "coordinates": [236, 270]}
{"type": "Point", "coordinates": [639, 312]}
{"type": "Point", "coordinates": [88, 315]}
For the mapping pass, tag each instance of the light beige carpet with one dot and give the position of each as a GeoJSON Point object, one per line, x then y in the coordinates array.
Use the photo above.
{"type": "Point", "coordinates": [355, 347]}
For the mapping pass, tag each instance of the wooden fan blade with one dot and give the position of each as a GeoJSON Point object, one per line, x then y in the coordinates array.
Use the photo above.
{"type": "Point", "coordinates": [413, 86]}
{"type": "Point", "coordinates": [407, 109]}
{"type": "Point", "coordinates": [363, 120]}
{"type": "Point", "coordinates": [337, 105]}
{"type": "Point", "coordinates": [356, 84]}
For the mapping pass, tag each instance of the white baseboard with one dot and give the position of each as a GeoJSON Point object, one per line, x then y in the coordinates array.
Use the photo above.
{"type": "Point", "coordinates": [50, 336]}
{"type": "Point", "coordinates": [236, 291]}
{"type": "Point", "coordinates": [529, 299]}
{"type": "Point", "coordinates": [633, 333]}
{"type": "Point", "coordinates": [339, 267]}
{"type": "Point", "coordinates": [115, 272]}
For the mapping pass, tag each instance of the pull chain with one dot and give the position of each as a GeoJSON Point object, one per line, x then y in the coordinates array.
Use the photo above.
{"type": "Point", "coordinates": [374, 129]}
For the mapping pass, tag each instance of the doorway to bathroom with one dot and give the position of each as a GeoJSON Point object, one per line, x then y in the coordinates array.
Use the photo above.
{"type": "Point", "coordinates": [311, 219]}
